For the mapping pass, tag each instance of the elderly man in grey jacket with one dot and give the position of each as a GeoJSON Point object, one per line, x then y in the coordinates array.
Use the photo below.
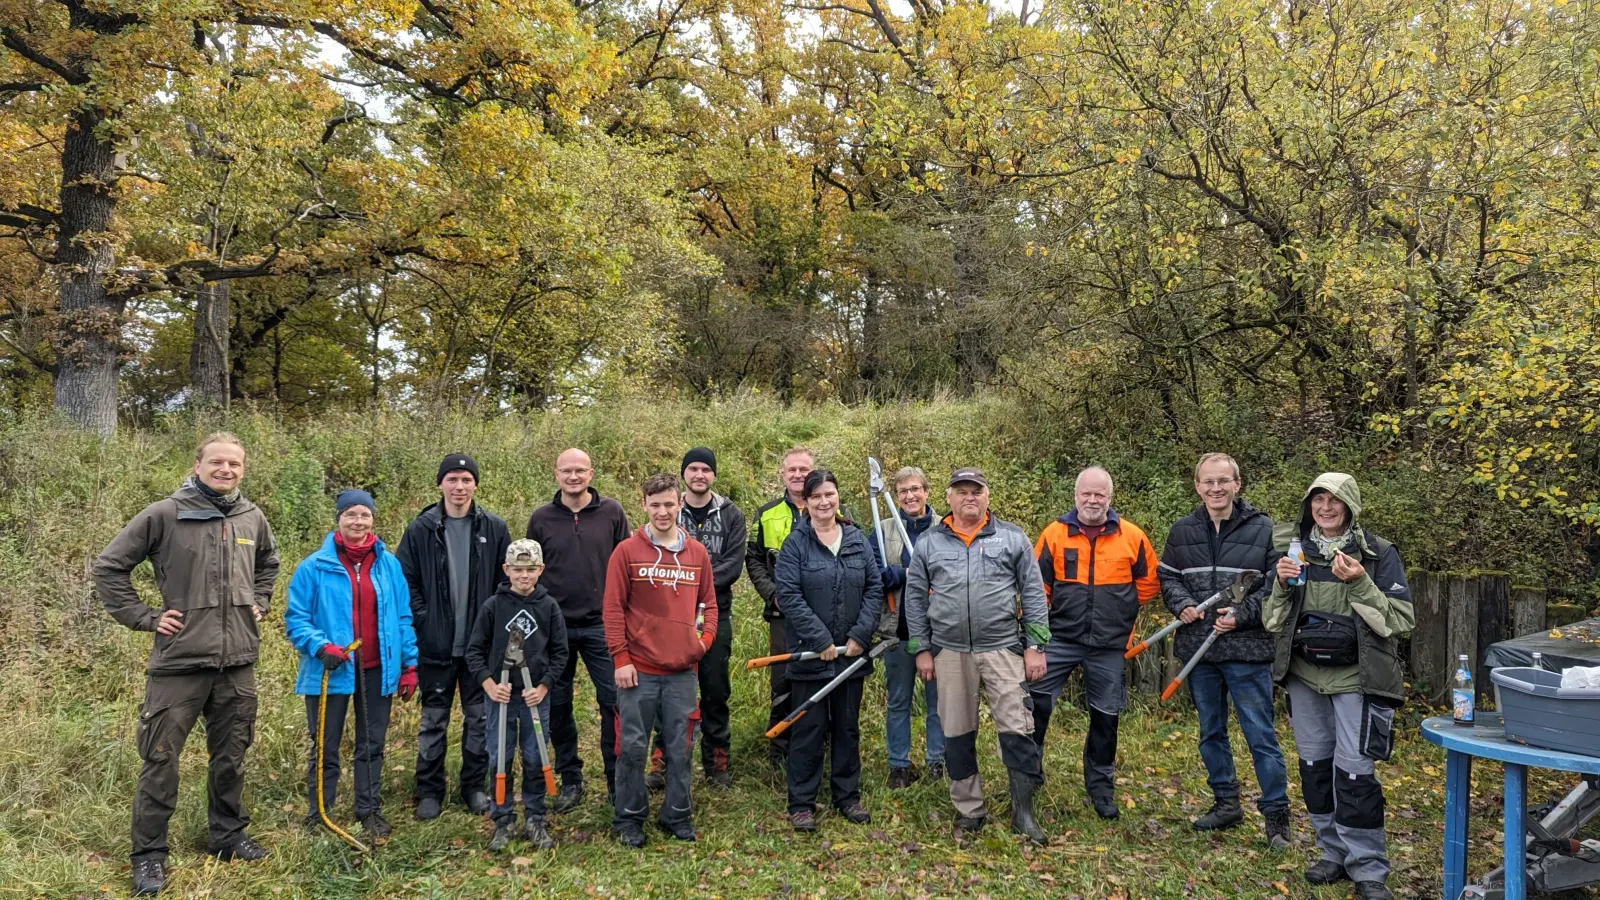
{"type": "Point", "coordinates": [962, 593]}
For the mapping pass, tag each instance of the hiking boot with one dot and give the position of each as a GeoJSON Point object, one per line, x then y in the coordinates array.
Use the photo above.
{"type": "Point", "coordinates": [1105, 807]}
{"type": "Point", "coordinates": [1372, 890]}
{"type": "Point", "coordinates": [539, 837]}
{"type": "Point", "coordinates": [149, 877]}
{"type": "Point", "coordinates": [656, 778]}
{"type": "Point", "coordinates": [630, 834]}
{"type": "Point", "coordinates": [803, 820]}
{"type": "Point", "coordinates": [570, 796]}
{"type": "Point", "coordinates": [683, 831]}
{"type": "Point", "coordinates": [375, 825]}
{"type": "Point", "coordinates": [243, 849]}
{"type": "Point", "coordinates": [969, 825]}
{"type": "Point", "coordinates": [502, 837]}
{"type": "Point", "coordinates": [478, 803]}
{"type": "Point", "coordinates": [1278, 835]}
{"type": "Point", "coordinates": [856, 813]}
{"type": "Point", "coordinates": [429, 808]}
{"type": "Point", "coordinates": [312, 822]}
{"type": "Point", "coordinates": [1022, 820]}
{"type": "Point", "coordinates": [717, 771]}
{"type": "Point", "coordinates": [1225, 813]}
{"type": "Point", "coordinates": [1326, 871]}
{"type": "Point", "coordinates": [902, 777]}
{"type": "Point", "coordinates": [936, 771]}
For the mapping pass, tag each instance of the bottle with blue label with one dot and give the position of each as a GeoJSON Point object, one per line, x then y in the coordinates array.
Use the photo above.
{"type": "Point", "coordinates": [1298, 554]}
{"type": "Point", "coordinates": [1461, 693]}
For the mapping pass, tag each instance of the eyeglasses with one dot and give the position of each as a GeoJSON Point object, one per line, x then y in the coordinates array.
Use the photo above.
{"type": "Point", "coordinates": [573, 471]}
{"type": "Point", "coordinates": [913, 489]}
{"type": "Point", "coordinates": [1216, 482]}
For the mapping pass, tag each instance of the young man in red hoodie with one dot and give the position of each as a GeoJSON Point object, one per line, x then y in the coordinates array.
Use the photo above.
{"type": "Point", "coordinates": [659, 593]}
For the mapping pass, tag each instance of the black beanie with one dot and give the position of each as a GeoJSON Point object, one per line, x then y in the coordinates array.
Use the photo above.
{"type": "Point", "coordinates": [457, 462]}
{"type": "Point", "coordinates": [700, 455]}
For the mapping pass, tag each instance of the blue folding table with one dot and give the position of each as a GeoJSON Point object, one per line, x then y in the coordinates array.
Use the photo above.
{"type": "Point", "coordinates": [1488, 741]}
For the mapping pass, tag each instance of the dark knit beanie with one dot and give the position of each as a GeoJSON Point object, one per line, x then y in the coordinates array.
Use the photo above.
{"type": "Point", "coordinates": [700, 455]}
{"type": "Point", "coordinates": [457, 462]}
{"type": "Point", "coordinates": [353, 497]}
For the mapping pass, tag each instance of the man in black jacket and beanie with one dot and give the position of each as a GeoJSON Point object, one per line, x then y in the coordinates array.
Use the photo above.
{"type": "Point", "coordinates": [1205, 551]}
{"type": "Point", "coordinates": [451, 556]}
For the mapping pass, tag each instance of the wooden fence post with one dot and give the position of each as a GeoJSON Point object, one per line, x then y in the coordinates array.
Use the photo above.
{"type": "Point", "coordinates": [1461, 603]}
{"type": "Point", "coordinates": [1494, 613]}
{"type": "Point", "coordinates": [1430, 646]}
{"type": "Point", "coordinates": [1527, 610]}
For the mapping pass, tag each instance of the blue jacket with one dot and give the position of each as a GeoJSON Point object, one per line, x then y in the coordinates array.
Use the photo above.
{"type": "Point", "coordinates": [827, 599]}
{"type": "Point", "coordinates": [319, 613]}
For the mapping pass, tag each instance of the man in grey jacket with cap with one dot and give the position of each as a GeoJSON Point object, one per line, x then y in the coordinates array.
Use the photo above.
{"type": "Point", "coordinates": [962, 595]}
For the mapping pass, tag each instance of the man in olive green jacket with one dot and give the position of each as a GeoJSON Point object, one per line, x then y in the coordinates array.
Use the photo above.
{"type": "Point", "coordinates": [215, 563]}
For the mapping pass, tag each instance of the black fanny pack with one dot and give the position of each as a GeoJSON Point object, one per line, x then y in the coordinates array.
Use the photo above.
{"type": "Point", "coordinates": [1326, 639]}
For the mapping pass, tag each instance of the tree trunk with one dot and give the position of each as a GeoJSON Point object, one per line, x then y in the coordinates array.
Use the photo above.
{"type": "Point", "coordinates": [89, 337]}
{"type": "Point", "coordinates": [209, 365]}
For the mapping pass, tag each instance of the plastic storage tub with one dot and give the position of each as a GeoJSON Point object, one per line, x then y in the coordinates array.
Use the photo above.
{"type": "Point", "coordinates": [1538, 711]}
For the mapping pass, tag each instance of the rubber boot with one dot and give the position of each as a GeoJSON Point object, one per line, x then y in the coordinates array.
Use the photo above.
{"type": "Point", "coordinates": [1022, 821]}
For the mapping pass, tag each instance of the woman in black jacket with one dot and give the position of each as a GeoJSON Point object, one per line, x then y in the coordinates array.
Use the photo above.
{"type": "Point", "coordinates": [831, 594]}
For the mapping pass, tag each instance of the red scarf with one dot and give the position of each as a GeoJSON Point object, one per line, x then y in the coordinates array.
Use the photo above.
{"type": "Point", "coordinates": [357, 562]}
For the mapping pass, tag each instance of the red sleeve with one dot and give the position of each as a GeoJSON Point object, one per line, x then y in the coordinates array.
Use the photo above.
{"type": "Point", "coordinates": [708, 596]}
{"type": "Point", "coordinates": [612, 608]}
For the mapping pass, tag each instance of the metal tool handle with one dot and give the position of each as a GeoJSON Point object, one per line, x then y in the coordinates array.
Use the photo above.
{"type": "Point", "coordinates": [545, 761]}
{"type": "Point", "coordinates": [763, 661]}
{"type": "Point", "coordinates": [1189, 666]}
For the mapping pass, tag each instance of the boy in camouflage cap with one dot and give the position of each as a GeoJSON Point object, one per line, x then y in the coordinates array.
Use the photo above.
{"type": "Point", "coordinates": [526, 607]}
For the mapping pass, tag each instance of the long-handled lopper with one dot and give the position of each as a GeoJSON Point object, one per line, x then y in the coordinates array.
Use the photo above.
{"type": "Point", "coordinates": [839, 679]}
{"type": "Point", "coordinates": [515, 654]}
{"type": "Point", "coordinates": [1241, 583]}
{"type": "Point", "coordinates": [322, 735]}
{"type": "Point", "coordinates": [876, 485]}
{"type": "Point", "coordinates": [764, 661]}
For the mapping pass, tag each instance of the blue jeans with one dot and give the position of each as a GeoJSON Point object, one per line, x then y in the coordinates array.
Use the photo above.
{"type": "Point", "coordinates": [589, 644]}
{"type": "Point", "coordinates": [900, 679]}
{"type": "Point", "coordinates": [1251, 686]}
{"type": "Point", "coordinates": [519, 737]}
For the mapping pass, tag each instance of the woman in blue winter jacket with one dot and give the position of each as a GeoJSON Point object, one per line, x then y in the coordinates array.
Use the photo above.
{"type": "Point", "coordinates": [352, 588]}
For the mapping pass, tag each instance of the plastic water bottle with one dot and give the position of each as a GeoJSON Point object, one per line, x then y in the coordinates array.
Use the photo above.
{"type": "Point", "coordinates": [1298, 554]}
{"type": "Point", "coordinates": [1461, 694]}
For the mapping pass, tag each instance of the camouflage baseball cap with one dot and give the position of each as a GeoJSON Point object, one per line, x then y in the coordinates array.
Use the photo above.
{"type": "Point", "coordinates": [525, 552]}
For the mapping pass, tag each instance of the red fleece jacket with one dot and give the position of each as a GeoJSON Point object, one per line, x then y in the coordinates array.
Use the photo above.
{"type": "Point", "coordinates": [363, 597]}
{"type": "Point", "coordinates": [650, 605]}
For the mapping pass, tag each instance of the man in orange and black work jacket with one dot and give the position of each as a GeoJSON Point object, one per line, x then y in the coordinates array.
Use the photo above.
{"type": "Point", "coordinates": [1098, 569]}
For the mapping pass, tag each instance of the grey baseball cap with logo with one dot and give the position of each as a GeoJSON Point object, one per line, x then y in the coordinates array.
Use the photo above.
{"type": "Point", "coordinates": [968, 473]}
{"type": "Point", "coordinates": [525, 552]}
